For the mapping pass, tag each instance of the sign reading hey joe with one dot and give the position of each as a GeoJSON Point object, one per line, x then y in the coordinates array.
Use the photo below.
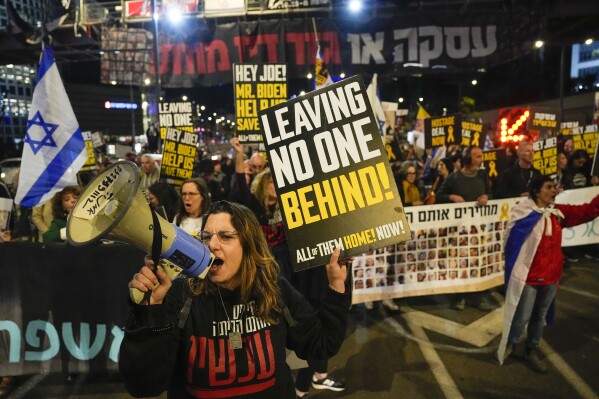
{"type": "Point", "coordinates": [331, 174]}
{"type": "Point", "coordinates": [257, 87]}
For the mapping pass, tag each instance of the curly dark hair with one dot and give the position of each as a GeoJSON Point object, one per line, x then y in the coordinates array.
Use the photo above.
{"type": "Point", "coordinates": [535, 184]}
{"type": "Point", "coordinates": [57, 209]}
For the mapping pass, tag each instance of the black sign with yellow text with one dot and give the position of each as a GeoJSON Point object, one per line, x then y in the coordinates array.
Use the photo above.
{"type": "Point", "coordinates": [332, 177]}
{"type": "Point", "coordinates": [178, 156]}
{"type": "Point", "coordinates": [585, 138]}
{"type": "Point", "coordinates": [90, 164]}
{"type": "Point", "coordinates": [495, 162]}
{"type": "Point", "coordinates": [542, 122]}
{"type": "Point", "coordinates": [472, 134]}
{"type": "Point", "coordinates": [545, 156]}
{"type": "Point", "coordinates": [257, 87]}
{"type": "Point", "coordinates": [442, 131]}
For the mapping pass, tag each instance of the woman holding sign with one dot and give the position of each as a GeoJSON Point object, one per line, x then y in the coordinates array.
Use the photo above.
{"type": "Point", "coordinates": [262, 200]}
{"type": "Point", "coordinates": [226, 336]}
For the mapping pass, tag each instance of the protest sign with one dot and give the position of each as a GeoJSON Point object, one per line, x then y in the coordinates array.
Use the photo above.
{"type": "Point", "coordinates": [90, 164]}
{"type": "Point", "coordinates": [542, 122]}
{"type": "Point", "coordinates": [178, 156]}
{"type": "Point", "coordinates": [585, 138]}
{"type": "Point", "coordinates": [495, 162]}
{"type": "Point", "coordinates": [331, 174]}
{"type": "Point", "coordinates": [175, 114]}
{"type": "Point", "coordinates": [257, 87]}
{"type": "Point", "coordinates": [442, 131]}
{"type": "Point", "coordinates": [393, 151]}
{"type": "Point", "coordinates": [472, 134]}
{"type": "Point", "coordinates": [545, 156]}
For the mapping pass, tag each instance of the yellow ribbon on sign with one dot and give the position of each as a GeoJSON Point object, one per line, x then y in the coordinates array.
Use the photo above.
{"type": "Point", "coordinates": [504, 212]}
{"type": "Point", "coordinates": [390, 155]}
{"type": "Point", "coordinates": [476, 139]}
{"type": "Point", "coordinates": [450, 138]}
{"type": "Point", "coordinates": [492, 169]}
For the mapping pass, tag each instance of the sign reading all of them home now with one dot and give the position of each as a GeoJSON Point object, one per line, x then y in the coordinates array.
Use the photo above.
{"type": "Point", "coordinates": [333, 181]}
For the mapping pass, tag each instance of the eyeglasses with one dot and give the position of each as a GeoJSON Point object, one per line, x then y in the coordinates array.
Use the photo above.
{"type": "Point", "coordinates": [259, 167]}
{"type": "Point", "coordinates": [189, 194]}
{"type": "Point", "coordinates": [411, 173]}
{"type": "Point", "coordinates": [223, 236]}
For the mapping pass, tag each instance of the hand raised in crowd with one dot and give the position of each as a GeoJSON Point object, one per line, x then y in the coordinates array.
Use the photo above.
{"type": "Point", "coordinates": [337, 271]}
{"type": "Point", "coordinates": [237, 146]}
{"type": "Point", "coordinates": [482, 200]}
{"type": "Point", "coordinates": [151, 278]}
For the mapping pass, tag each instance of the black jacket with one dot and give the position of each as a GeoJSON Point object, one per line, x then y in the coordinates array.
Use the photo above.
{"type": "Point", "coordinates": [156, 355]}
{"type": "Point", "coordinates": [514, 181]}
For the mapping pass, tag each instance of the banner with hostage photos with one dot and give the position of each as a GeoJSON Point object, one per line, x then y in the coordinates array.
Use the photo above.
{"type": "Point", "coordinates": [454, 248]}
{"type": "Point", "coordinates": [126, 57]}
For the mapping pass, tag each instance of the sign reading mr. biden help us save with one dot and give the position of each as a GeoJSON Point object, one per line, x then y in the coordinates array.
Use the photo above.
{"type": "Point", "coordinates": [331, 174]}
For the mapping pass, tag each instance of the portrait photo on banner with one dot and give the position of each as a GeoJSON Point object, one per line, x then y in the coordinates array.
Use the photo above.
{"type": "Point", "coordinates": [331, 174]}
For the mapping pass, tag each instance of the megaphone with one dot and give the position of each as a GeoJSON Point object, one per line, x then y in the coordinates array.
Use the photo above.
{"type": "Point", "coordinates": [112, 207]}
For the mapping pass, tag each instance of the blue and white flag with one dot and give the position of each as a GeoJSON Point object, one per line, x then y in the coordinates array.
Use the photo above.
{"type": "Point", "coordinates": [377, 107]}
{"type": "Point", "coordinates": [523, 233]}
{"type": "Point", "coordinates": [53, 149]}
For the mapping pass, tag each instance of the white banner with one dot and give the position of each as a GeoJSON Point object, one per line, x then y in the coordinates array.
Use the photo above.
{"type": "Point", "coordinates": [454, 248]}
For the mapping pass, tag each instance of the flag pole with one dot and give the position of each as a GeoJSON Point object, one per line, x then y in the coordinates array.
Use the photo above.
{"type": "Point", "coordinates": [157, 82]}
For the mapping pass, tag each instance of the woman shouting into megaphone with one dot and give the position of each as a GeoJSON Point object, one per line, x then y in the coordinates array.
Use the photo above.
{"type": "Point", "coordinates": [225, 336]}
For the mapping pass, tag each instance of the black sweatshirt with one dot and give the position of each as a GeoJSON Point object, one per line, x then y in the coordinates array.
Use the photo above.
{"type": "Point", "coordinates": [198, 362]}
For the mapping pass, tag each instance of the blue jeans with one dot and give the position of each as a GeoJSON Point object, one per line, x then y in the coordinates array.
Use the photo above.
{"type": "Point", "coordinates": [532, 310]}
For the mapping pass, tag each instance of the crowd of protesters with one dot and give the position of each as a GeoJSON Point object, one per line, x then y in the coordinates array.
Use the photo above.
{"type": "Point", "coordinates": [446, 175]}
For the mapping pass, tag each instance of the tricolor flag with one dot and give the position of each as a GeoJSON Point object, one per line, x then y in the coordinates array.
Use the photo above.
{"type": "Point", "coordinates": [53, 149]}
{"type": "Point", "coordinates": [523, 233]}
{"type": "Point", "coordinates": [377, 107]}
{"type": "Point", "coordinates": [321, 72]}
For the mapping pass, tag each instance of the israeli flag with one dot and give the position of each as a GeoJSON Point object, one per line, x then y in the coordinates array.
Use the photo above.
{"type": "Point", "coordinates": [53, 149]}
{"type": "Point", "coordinates": [377, 106]}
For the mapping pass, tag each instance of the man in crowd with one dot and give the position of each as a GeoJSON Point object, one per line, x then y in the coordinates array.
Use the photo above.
{"type": "Point", "coordinates": [150, 173]}
{"type": "Point", "coordinates": [469, 184]}
{"type": "Point", "coordinates": [514, 180]}
{"type": "Point", "coordinates": [257, 162]}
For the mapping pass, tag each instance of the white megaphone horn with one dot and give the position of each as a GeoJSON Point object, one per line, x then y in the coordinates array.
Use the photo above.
{"type": "Point", "coordinates": [111, 206]}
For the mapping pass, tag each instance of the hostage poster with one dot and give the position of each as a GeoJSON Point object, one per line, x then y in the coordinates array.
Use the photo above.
{"type": "Point", "coordinates": [333, 181]}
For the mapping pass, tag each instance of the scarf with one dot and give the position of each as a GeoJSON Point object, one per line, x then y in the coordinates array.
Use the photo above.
{"type": "Point", "coordinates": [411, 192]}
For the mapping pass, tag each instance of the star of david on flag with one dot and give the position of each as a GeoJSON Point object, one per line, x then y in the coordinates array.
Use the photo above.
{"type": "Point", "coordinates": [54, 149]}
{"type": "Point", "coordinates": [377, 107]}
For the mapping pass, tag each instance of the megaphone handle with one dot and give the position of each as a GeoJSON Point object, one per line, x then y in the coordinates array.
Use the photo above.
{"type": "Point", "coordinates": [157, 238]}
{"type": "Point", "coordinates": [156, 248]}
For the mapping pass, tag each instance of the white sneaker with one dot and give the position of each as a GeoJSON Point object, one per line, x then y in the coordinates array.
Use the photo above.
{"type": "Point", "coordinates": [390, 304]}
{"type": "Point", "coordinates": [369, 305]}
